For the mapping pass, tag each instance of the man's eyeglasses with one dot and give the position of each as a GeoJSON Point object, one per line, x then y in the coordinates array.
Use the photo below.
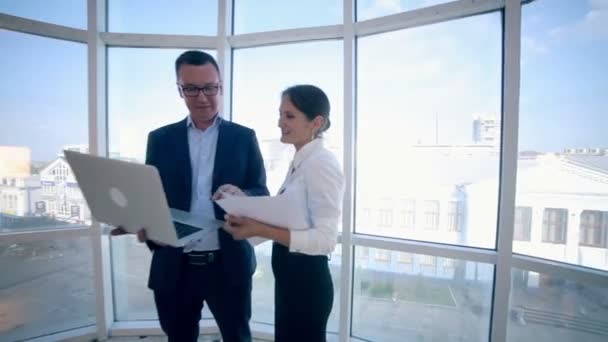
{"type": "Point", "coordinates": [193, 91]}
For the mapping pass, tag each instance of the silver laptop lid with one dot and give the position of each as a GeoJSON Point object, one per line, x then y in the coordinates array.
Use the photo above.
{"type": "Point", "coordinates": [124, 194]}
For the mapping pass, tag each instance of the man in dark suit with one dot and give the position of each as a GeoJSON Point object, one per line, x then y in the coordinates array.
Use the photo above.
{"type": "Point", "coordinates": [197, 157]}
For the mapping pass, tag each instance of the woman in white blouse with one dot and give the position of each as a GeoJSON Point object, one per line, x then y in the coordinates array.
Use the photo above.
{"type": "Point", "coordinates": [303, 285]}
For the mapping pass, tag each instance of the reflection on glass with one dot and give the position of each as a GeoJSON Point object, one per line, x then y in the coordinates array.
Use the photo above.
{"type": "Point", "coordinates": [43, 105]}
{"type": "Point", "coordinates": [369, 9]}
{"type": "Point", "coordinates": [263, 289]}
{"type": "Point", "coordinates": [428, 132]}
{"type": "Point", "coordinates": [163, 16]}
{"type": "Point", "coordinates": [71, 13]}
{"type": "Point", "coordinates": [401, 296]}
{"type": "Point", "coordinates": [549, 308]}
{"type": "Point", "coordinates": [45, 287]}
{"type": "Point", "coordinates": [261, 74]}
{"type": "Point", "coordinates": [254, 16]}
{"type": "Point", "coordinates": [562, 175]}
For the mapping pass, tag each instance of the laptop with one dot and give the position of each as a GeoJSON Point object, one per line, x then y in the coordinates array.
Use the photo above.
{"type": "Point", "coordinates": [131, 195]}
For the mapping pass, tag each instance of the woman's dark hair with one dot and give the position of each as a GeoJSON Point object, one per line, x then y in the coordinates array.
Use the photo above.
{"type": "Point", "coordinates": [311, 101]}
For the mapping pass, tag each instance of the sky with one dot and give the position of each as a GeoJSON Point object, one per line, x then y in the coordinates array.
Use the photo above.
{"type": "Point", "coordinates": [411, 83]}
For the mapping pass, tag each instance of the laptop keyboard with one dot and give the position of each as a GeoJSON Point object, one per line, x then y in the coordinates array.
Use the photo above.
{"type": "Point", "coordinates": [184, 229]}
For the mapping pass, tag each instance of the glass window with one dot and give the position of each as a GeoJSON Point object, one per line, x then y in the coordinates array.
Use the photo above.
{"type": "Point", "coordinates": [257, 88]}
{"type": "Point", "coordinates": [362, 252]}
{"type": "Point", "coordinates": [523, 224]}
{"type": "Point", "coordinates": [405, 258]}
{"type": "Point", "coordinates": [43, 106]}
{"type": "Point", "coordinates": [263, 289]}
{"type": "Point", "coordinates": [562, 137]}
{"type": "Point", "coordinates": [31, 272]}
{"type": "Point", "coordinates": [385, 213]}
{"type": "Point", "coordinates": [454, 216]}
{"type": "Point", "coordinates": [431, 215]}
{"type": "Point", "coordinates": [142, 96]}
{"type": "Point", "coordinates": [365, 216]}
{"type": "Point", "coordinates": [132, 299]}
{"type": "Point", "coordinates": [555, 225]}
{"type": "Point", "coordinates": [71, 13]}
{"type": "Point", "coordinates": [163, 16]}
{"type": "Point", "coordinates": [549, 308]}
{"type": "Point", "coordinates": [460, 297]}
{"type": "Point", "coordinates": [415, 133]}
{"type": "Point", "coordinates": [260, 75]}
{"type": "Point", "coordinates": [255, 16]}
{"type": "Point", "coordinates": [408, 214]}
{"type": "Point", "coordinates": [383, 255]}
{"type": "Point", "coordinates": [369, 9]}
{"type": "Point", "coordinates": [594, 228]}
{"type": "Point", "coordinates": [428, 260]}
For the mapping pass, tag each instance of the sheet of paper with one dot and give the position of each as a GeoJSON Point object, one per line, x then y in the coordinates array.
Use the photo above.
{"type": "Point", "coordinates": [195, 220]}
{"type": "Point", "coordinates": [287, 210]}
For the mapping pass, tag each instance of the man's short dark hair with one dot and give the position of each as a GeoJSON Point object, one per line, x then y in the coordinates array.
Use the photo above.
{"type": "Point", "coordinates": [195, 57]}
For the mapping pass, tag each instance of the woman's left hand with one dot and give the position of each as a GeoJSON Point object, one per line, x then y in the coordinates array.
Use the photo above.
{"type": "Point", "coordinates": [242, 227]}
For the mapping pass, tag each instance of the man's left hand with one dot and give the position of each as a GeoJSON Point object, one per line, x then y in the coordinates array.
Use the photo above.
{"type": "Point", "coordinates": [227, 190]}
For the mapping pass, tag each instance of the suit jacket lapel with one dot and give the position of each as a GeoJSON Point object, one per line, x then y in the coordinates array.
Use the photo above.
{"type": "Point", "coordinates": [182, 151]}
{"type": "Point", "coordinates": [223, 141]}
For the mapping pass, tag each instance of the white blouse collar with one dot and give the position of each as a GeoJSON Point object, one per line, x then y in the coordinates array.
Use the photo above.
{"type": "Point", "coordinates": [306, 151]}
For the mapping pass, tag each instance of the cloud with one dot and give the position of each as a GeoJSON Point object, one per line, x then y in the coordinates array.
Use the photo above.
{"type": "Point", "coordinates": [534, 46]}
{"type": "Point", "coordinates": [592, 26]}
{"type": "Point", "coordinates": [378, 8]}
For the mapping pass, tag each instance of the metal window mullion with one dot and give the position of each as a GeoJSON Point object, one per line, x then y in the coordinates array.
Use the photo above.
{"type": "Point", "coordinates": [165, 41]}
{"type": "Point", "coordinates": [427, 248]}
{"type": "Point", "coordinates": [577, 273]}
{"type": "Point", "coordinates": [427, 15]}
{"type": "Point", "coordinates": [44, 235]}
{"type": "Point", "coordinates": [508, 170]}
{"type": "Point", "coordinates": [248, 40]}
{"type": "Point", "coordinates": [347, 267]}
{"type": "Point", "coordinates": [98, 145]}
{"type": "Point", "coordinates": [40, 28]}
{"type": "Point", "coordinates": [224, 55]}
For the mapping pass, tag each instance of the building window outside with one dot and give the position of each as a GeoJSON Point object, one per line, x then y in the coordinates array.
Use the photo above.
{"type": "Point", "coordinates": [428, 260]}
{"type": "Point", "coordinates": [60, 173]}
{"type": "Point", "coordinates": [431, 215]}
{"type": "Point", "coordinates": [383, 255]}
{"type": "Point", "coordinates": [405, 258]}
{"type": "Point", "coordinates": [385, 213]}
{"type": "Point", "coordinates": [448, 264]}
{"type": "Point", "coordinates": [363, 253]}
{"type": "Point", "coordinates": [523, 224]}
{"type": "Point", "coordinates": [594, 228]}
{"type": "Point", "coordinates": [555, 225]}
{"type": "Point", "coordinates": [408, 214]}
{"type": "Point", "coordinates": [366, 217]}
{"type": "Point", "coordinates": [63, 209]}
{"type": "Point", "coordinates": [52, 205]}
{"type": "Point", "coordinates": [455, 216]}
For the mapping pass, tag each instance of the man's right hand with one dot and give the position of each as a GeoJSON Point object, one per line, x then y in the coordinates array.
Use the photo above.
{"type": "Point", "coordinates": [141, 235]}
{"type": "Point", "coordinates": [118, 231]}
